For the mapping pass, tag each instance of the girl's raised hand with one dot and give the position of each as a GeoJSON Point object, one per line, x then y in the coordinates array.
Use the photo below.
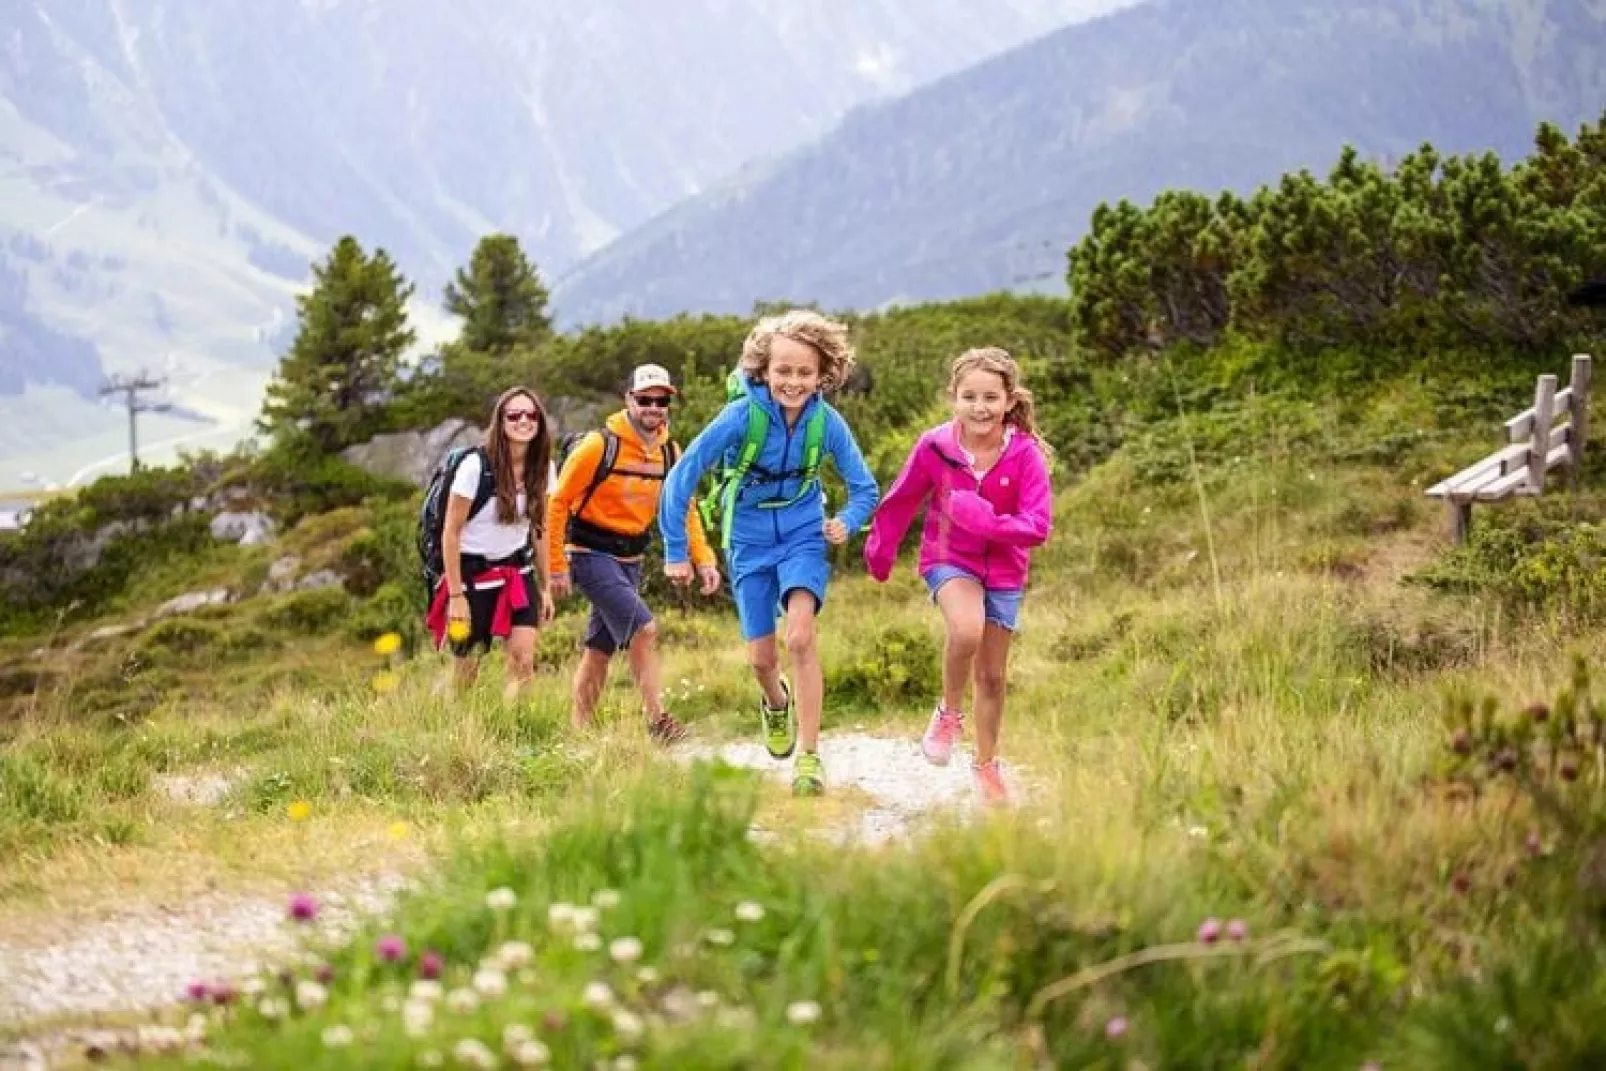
{"type": "Point", "coordinates": [836, 533]}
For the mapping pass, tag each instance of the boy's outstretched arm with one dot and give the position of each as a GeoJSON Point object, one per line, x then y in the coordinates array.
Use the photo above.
{"type": "Point", "coordinates": [863, 492]}
{"type": "Point", "coordinates": [680, 486]}
{"type": "Point", "coordinates": [896, 512]}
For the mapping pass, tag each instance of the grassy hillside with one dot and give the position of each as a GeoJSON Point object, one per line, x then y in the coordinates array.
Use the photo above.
{"type": "Point", "coordinates": [1228, 703]}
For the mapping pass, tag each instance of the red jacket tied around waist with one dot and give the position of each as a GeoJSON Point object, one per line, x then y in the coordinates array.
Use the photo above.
{"type": "Point", "coordinates": [512, 597]}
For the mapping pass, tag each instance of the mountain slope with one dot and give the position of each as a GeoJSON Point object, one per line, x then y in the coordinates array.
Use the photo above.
{"type": "Point", "coordinates": [981, 180]}
{"type": "Point", "coordinates": [167, 171]}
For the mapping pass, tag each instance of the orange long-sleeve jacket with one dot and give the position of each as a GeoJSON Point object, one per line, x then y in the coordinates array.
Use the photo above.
{"type": "Point", "coordinates": [625, 502]}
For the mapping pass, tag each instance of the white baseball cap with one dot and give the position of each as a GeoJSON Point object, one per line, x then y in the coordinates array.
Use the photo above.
{"type": "Point", "coordinates": [651, 377]}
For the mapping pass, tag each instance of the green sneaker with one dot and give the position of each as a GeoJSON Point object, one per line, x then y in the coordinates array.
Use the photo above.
{"type": "Point", "coordinates": [780, 726]}
{"type": "Point", "coordinates": [808, 776]}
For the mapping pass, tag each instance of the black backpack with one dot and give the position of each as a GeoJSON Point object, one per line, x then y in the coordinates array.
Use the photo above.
{"type": "Point", "coordinates": [590, 535]}
{"type": "Point", "coordinates": [432, 514]}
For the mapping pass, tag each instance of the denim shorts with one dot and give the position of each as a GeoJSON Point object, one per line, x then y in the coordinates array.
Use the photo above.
{"type": "Point", "coordinates": [1001, 606]}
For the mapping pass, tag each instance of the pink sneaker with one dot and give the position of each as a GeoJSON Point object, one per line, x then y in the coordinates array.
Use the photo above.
{"type": "Point", "coordinates": [990, 783]}
{"type": "Point", "coordinates": [946, 727]}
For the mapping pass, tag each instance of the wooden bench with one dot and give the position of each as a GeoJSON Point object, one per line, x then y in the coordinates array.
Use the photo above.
{"type": "Point", "coordinates": [1536, 443]}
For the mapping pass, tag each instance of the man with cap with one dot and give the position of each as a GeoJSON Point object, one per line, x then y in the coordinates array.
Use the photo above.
{"type": "Point", "coordinates": [600, 519]}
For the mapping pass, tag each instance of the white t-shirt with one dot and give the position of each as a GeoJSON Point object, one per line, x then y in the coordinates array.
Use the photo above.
{"type": "Point", "coordinates": [484, 534]}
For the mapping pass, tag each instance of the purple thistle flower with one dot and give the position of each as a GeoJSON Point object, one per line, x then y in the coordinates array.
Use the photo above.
{"type": "Point", "coordinates": [303, 908]}
{"type": "Point", "coordinates": [391, 948]}
{"type": "Point", "coordinates": [223, 993]}
{"type": "Point", "coordinates": [1237, 930]}
{"type": "Point", "coordinates": [1210, 931]}
{"type": "Point", "coordinates": [198, 990]}
{"type": "Point", "coordinates": [1115, 1029]}
{"type": "Point", "coordinates": [430, 965]}
{"type": "Point", "coordinates": [324, 974]}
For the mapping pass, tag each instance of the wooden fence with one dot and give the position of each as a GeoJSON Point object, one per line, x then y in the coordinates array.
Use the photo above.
{"type": "Point", "coordinates": [1536, 445]}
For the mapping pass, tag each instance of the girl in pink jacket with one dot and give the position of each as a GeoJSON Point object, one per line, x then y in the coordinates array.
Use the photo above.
{"type": "Point", "coordinates": [986, 476]}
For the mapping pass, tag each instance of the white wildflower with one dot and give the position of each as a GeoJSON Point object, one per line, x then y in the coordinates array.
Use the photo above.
{"type": "Point", "coordinates": [490, 982]}
{"type": "Point", "coordinates": [628, 1026]}
{"type": "Point", "coordinates": [586, 918]}
{"type": "Point", "coordinates": [310, 995]}
{"type": "Point", "coordinates": [531, 1054]}
{"type": "Point", "coordinates": [462, 1000]}
{"type": "Point", "coordinates": [503, 899]}
{"type": "Point", "coordinates": [417, 1017]}
{"type": "Point", "coordinates": [647, 975]}
{"type": "Point", "coordinates": [273, 1008]}
{"type": "Point", "coordinates": [513, 955]}
{"type": "Point", "coordinates": [337, 1037]}
{"type": "Point", "coordinates": [560, 917]}
{"type": "Point", "coordinates": [802, 1012]}
{"type": "Point", "coordinates": [195, 1029]}
{"type": "Point", "coordinates": [252, 988]}
{"type": "Point", "coordinates": [624, 1062]}
{"type": "Point", "coordinates": [474, 1053]}
{"type": "Point", "coordinates": [707, 998]}
{"type": "Point", "coordinates": [426, 989]}
{"type": "Point", "coordinates": [597, 996]}
{"type": "Point", "coordinates": [587, 942]}
{"type": "Point", "coordinates": [720, 937]}
{"type": "Point", "coordinates": [748, 911]}
{"type": "Point", "coordinates": [430, 1058]}
{"type": "Point", "coordinates": [605, 899]}
{"type": "Point", "coordinates": [625, 950]}
{"type": "Point", "coordinates": [515, 1034]}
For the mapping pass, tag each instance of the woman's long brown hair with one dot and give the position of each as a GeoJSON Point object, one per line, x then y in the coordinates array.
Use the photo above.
{"type": "Point", "coordinates": [536, 461]}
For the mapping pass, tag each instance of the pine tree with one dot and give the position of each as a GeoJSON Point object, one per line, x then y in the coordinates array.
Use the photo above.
{"type": "Point", "coordinates": [343, 366]}
{"type": "Point", "coordinates": [500, 297]}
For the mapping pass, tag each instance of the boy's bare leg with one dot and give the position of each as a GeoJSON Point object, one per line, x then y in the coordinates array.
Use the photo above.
{"type": "Point", "coordinates": [808, 678]}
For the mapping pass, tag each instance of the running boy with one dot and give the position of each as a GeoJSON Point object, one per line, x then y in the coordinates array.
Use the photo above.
{"type": "Point", "coordinates": [775, 524]}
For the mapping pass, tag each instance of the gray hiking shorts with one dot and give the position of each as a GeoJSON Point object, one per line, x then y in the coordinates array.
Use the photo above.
{"type": "Point", "coordinates": [613, 589]}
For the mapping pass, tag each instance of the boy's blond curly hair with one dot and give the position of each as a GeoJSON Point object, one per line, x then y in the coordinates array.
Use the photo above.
{"type": "Point", "coordinates": [827, 337]}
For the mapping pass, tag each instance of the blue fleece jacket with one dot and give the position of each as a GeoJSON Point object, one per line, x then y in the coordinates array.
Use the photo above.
{"type": "Point", "coordinates": [776, 475]}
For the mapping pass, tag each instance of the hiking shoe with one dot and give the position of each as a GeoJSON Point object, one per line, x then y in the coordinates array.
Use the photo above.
{"type": "Point", "coordinates": [990, 783]}
{"type": "Point", "coordinates": [780, 726]}
{"type": "Point", "coordinates": [946, 727]}
{"type": "Point", "coordinates": [666, 730]}
{"type": "Point", "coordinates": [808, 776]}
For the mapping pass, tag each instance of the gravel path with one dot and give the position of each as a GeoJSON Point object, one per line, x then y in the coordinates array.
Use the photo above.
{"type": "Point", "coordinates": [141, 958]}
{"type": "Point", "coordinates": [903, 786]}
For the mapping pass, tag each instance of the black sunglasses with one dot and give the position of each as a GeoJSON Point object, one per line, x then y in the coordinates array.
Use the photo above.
{"type": "Point", "coordinates": [653, 401]}
{"type": "Point", "coordinates": [522, 416]}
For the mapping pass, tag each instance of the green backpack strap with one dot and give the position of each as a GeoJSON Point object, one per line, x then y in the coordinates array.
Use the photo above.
{"type": "Point", "coordinates": [758, 426]}
{"type": "Point", "coordinates": [813, 446]}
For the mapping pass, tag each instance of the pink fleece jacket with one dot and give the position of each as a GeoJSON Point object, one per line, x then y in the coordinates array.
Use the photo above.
{"type": "Point", "coordinates": [986, 527]}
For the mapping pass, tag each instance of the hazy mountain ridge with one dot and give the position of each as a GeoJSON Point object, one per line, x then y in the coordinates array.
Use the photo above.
{"type": "Point", "coordinates": [982, 180]}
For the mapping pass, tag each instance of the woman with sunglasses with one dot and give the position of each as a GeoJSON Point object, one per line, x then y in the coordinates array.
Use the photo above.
{"type": "Point", "coordinates": [495, 583]}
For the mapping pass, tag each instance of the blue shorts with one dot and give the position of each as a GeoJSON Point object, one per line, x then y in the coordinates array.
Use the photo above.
{"type": "Point", "coordinates": [613, 588]}
{"type": "Point", "coordinates": [762, 576]}
{"type": "Point", "coordinates": [1001, 606]}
